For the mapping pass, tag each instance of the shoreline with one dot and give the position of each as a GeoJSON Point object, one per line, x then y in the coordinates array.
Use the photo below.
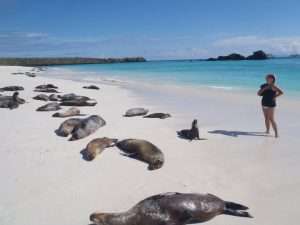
{"type": "Point", "coordinates": [46, 180]}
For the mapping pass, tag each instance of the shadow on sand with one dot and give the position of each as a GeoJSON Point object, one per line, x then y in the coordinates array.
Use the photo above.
{"type": "Point", "coordinates": [238, 133]}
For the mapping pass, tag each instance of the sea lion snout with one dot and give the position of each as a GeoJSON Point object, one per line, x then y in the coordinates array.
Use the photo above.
{"type": "Point", "coordinates": [98, 218]}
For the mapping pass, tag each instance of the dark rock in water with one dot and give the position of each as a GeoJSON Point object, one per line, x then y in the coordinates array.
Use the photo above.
{"type": "Point", "coordinates": [136, 112]}
{"type": "Point", "coordinates": [158, 115]}
{"type": "Point", "coordinates": [45, 86]}
{"type": "Point", "coordinates": [12, 88]}
{"type": "Point", "coordinates": [233, 57]}
{"type": "Point", "coordinates": [41, 97]}
{"type": "Point", "coordinates": [94, 87]}
{"type": "Point", "coordinates": [11, 102]}
{"type": "Point", "coordinates": [54, 97]}
{"type": "Point", "coordinates": [80, 102]}
{"type": "Point", "coordinates": [190, 134]}
{"type": "Point", "coordinates": [80, 128]}
{"type": "Point", "coordinates": [68, 113]}
{"type": "Point", "coordinates": [258, 55]}
{"type": "Point", "coordinates": [53, 106]}
{"type": "Point", "coordinates": [46, 90]}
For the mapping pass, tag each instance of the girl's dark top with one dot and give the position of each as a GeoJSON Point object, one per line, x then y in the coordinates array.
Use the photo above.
{"type": "Point", "coordinates": [268, 97]}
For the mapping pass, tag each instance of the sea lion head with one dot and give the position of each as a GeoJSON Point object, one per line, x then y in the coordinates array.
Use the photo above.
{"type": "Point", "coordinates": [92, 149]}
{"type": "Point", "coordinates": [166, 115]}
{"type": "Point", "coordinates": [157, 164]}
{"type": "Point", "coordinates": [99, 218]}
{"type": "Point", "coordinates": [195, 123]}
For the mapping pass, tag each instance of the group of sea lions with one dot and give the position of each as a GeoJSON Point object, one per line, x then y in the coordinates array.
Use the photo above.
{"type": "Point", "coordinates": [143, 112]}
{"type": "Point", "coordinates": [162, 209]}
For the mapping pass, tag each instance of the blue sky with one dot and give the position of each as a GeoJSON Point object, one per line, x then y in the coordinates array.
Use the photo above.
{"type": "Point", "coordinates": [156, 29]}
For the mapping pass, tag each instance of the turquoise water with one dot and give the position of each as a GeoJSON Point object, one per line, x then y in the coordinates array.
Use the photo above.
{"type": "Point", "coordinates": [227, 75]}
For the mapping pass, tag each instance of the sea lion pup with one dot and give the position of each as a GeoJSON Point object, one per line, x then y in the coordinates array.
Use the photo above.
{"type": "Point", "coordinates": [94, 87]}
{"type": "Point", "coordinates": [173, 209]}
{"type": "Point", "coordinates": [192, 134]}
{"type": "Point", "coordinates": [158, 115]}
{"type": "Point", "coordinates": [136, 112]}
{"type": "Point", "coordinates": [11, 102]}
{"type": "Point", "coordinates": [54, 97]}
{"type": "Point", "coordinates": [68, 113]}
{"type": "Point", "coordinates": [41, 97]}
{"type": "Point", "coordinates": [12, 88]}
{"type": "Point", "coordinates": [87, 126]}
{"type": "Point", "coordinates": [45, 86]}
{"type": "Point", "coordinates": [67, 127]}
{"type": "Point", "coordinates": [96, 147]}
{"type": "Point", "coordinates": [53, 106]}
{"type": "Point", "coordinates": [144, 151]}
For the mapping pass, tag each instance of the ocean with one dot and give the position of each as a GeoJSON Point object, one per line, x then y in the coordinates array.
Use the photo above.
{"type": "Point", "coordinates": [227, 75]}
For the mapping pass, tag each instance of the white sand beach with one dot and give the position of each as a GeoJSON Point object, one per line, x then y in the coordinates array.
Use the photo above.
{"type": "Point", "coordinates": [45, 181]}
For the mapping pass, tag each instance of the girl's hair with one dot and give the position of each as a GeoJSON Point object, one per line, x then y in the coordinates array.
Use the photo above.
{"type": "Point", "coordinates": [272, 76]}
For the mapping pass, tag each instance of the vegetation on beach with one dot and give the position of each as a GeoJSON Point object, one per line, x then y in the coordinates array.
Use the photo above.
{"type": "Point", "coordinates": [65, 61]}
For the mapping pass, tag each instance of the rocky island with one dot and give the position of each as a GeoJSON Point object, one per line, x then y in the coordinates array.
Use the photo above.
{"type": "Point", "coordinates": [65, 61]}
{"type": "Point", "coordinates": [258, 55]}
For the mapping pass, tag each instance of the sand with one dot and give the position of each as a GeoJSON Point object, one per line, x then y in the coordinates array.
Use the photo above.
{"type": "Point", "coordinates": [45, 181]}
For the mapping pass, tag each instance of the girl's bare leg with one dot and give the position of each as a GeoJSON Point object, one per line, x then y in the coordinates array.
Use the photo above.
{"type": "Point", "coordinates": [272, 120]}
{"type": "Point", "coordinates": [267, 120]}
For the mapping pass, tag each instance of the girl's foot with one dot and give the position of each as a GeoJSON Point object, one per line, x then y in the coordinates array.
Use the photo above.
{"type": "Point", "coordinates": [267, 132]}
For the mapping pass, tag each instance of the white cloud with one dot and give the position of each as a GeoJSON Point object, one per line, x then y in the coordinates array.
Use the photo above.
{"type": "Point", "coordinates": [273, 45]}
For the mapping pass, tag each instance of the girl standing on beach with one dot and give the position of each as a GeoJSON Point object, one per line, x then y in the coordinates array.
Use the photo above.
{"type": "Point", "coordinates": [269, 93]}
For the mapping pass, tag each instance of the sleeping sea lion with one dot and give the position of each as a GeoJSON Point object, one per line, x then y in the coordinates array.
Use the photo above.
{"type": "Point", "coordinates": [72, 96]}
{"type": "Point", "coordinates": [136, 112]}
{"type": "Point", "coordinates": [158, 115]}
{"type": "Point", "coordinates": [67, 127]}
{"type": "Point", "coordinates": [12, 88]}
{"type": "Point", "coordinates": [144, 151]}
{"type": "Point", "coordinates": [53, 106]}
{"type": "Point", "coordinates": [94, 87]}
{"type": "Point", "coordinates": [45, 86]}
{"type": "Point", "coordinates": [54, 97]}
{"type": "Point", "coordinates": [96, 147]}
{"type": "Point", "coordinates": [191, 134]}
{"type": "Point", "coordinates": [87, 126]}
{"type": "Point", "coordinates": [41, 97]}
{"type": "Point", "coordinates": [47, 90]}
{"type": "Point", "coordinates": [90, 102]}
{"type": "Point", "coordinates": [173, 209]}
{"type": "Point", "coordinates": [68, 113]}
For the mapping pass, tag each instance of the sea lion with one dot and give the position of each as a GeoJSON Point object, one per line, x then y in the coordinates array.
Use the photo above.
{"type": "Point", "coordinates": [136, 112]}
{"type": "Point", "coordinates": [67, 127]}
{"type": "Point", "coordinates": [87, 126]}
{"type": "Point", "coordinates": [54, 97]}
{"type": "Point", "coordinates": [53, 106]}
{"type": "Point", "coordinates": [94, 87]}
{"type": "Point", "coordinates": [46, 90]}
{"type": "Point", "coordinates": [72, 96]}
{"type": "Point", "coordinates": [144, 151]}
{"type": "Point", "coordinates": [41, 97]}
{"type": "Point", "coordinates": [68, 113]}
{"type": "Point", "coordinates": [191, 134]}
{"type": "Point", "coordinates": [12, 88]}
{"type": "Point", "coordinates": [158, 115]}
{"type": "Point", "coordinates": [45, 86]}
{"type": "Point", "coordinates": [173, 209]}
{"type": "Point", "coordinates": [96, 147]}
{"type": "Point", "coordinates": [11, 102]}
{"type": "Point", "coordinates": [90, 102]}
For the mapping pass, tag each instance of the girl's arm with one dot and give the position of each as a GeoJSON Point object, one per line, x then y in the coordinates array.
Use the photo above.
{"type": "Point", "coordinates": [278, 91]}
